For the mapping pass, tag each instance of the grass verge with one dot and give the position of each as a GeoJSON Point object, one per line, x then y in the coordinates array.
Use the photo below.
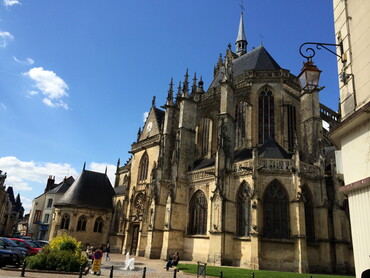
{"type": "Point", "coordinates": [230, 272]}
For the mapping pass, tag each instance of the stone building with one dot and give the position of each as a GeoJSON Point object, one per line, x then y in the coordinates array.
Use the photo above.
{"type": "Point", "coordinates": [85, 209]}
{"type": "Point", "coordinates": [352, 136]}
{"type": "Point", "coordinates": [240, 174]}
{"type": "Point", "coordinates": [43, 207]}
{"type": "Point", "coordinates": [11, 209]}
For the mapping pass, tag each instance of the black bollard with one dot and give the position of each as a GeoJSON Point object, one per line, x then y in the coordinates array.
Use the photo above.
{"type": "Point", "coordinates": [175, 272]}
{"type": "Point", "coordinates": [252, 274]}
{"type": "Point", "coordinates": [144, 271]}
{"type": "Point", "coordinates": [220, 274]}
{"type": "Point", "coordinates": [111, 272]}
{"type": "Point", "coordinates": [23, 268]}
{"type": "Point", "coordinates": [80, 274]}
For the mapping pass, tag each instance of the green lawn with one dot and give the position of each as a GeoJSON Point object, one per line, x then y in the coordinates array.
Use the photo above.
{"type": "Point", "coordinates": [229, 272]}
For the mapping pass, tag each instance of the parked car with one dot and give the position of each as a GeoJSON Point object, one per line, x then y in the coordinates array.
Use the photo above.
{"type": "Point", "coordinates": [7, 257]}
{"type": "Point", "coordinates": [7, 244]}
{"type": "Point", "coordinates": [32, 247]}
{"type": "Point", "coordinates": [42, 243]}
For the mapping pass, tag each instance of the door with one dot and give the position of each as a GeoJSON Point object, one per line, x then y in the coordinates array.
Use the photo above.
{"type": "Point", "coordinates": [134, 240]}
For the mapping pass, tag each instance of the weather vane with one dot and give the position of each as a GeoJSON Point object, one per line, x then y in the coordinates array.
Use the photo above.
{"type": "Point", "coordinates": [242, 5]}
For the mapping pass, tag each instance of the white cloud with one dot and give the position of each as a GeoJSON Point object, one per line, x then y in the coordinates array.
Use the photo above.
{"type": "Point", "coordinates": [21, 173]}
{"type": "Point", "coordinates": [100, 167]}
{"type": "Point", "coordinates": [33, 93]}
{"type": "Point", "coordinates": [9, 3]}
{"type": "Point", "coordinates": [5, 37]}
{"type": "Point", "coordinates": [26, 62]}
{"type": "Point", "coordinates": [58, 103]}
{"type": "Point", "coordinates": [145, 116]}
{"type": "Point", "coordinates": [50, 85]}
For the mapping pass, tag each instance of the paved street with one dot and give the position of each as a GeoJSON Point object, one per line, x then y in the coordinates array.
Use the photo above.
{"type": "Point", "coordinates": [154, 269]}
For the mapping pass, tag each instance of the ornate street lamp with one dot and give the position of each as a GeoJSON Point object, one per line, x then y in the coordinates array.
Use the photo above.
{"type": "Point", "coordinates": [309, 76]}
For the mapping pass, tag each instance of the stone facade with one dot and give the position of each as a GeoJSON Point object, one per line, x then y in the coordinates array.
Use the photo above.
{"type": "Point", "coordinates": [241, 174]}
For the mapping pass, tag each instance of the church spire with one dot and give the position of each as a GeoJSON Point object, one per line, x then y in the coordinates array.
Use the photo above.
{"type": "Point", "coordinates": [241, 41]}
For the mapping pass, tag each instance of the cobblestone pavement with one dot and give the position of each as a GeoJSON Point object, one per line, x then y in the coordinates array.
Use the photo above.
{"type": "Point", "coordinates": [154, 269]}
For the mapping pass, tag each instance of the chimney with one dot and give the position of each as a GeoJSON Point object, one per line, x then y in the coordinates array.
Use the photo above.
{"type": "Point", "coordinates": [49, 183]}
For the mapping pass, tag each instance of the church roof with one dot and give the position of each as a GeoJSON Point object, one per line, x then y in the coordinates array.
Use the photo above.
{"type": "Point", "coordinates": [90, 190]}
{"type": "Point", "coordinates": [256, 59]}
{"type": "Point", "coordinates": [63, 186]}
{"type": "Point", "coordinates": [159, 114]}
{"type": "Point", "coordinates": [271, 149]}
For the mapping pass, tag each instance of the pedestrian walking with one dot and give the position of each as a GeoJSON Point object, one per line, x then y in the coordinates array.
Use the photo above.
{"type": "Point", "coordinates": [107, 251]}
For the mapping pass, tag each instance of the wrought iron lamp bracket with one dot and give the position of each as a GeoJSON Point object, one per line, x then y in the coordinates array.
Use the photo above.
{"type": "Point", "coordinates": [319, 45]}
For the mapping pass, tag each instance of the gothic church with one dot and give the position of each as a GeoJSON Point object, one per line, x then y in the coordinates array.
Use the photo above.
{"type": "Point", "coordinates": [239, 174]}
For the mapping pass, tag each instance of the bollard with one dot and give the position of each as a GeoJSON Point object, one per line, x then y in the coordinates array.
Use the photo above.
{"type": "Point", "coordinates": [252, 274]}
{"type": "Point", "coordinates": [175, 272]}
{"type": "Point", "coordinates": [111, 272]}
{"type": "Point", "coordinates": [23, 268]}
{"type": "Point", "coordinates": [144, 271]}
{"type": "Point", "coordinates": [80, 274]}
{"type": "Point", "coordinates": [220, 274]}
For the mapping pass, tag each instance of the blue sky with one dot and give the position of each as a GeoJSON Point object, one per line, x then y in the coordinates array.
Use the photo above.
{"type": "Point", "coordinates": [76, 77]}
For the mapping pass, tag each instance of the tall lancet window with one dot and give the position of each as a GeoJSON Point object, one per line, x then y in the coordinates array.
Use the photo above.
{"type": "Point", "coordinates": [198, 214]}
{"type": "Point", "coordinates": [308, 213]}
{"type": "Point", "coordinates": [143, 168]}
{"type": "Point", "coordinates": [276, 211]}
{"type": "Point", "coordinates": [206, 136]}
{"type": "Point", "coordinates": [243, 210]}
{"type": "Point", "coordinates": [265, 116]}
{"type": "Point", "coordinates": [292, 125]}
{"type": "Point", "coordinates": [241, 120]}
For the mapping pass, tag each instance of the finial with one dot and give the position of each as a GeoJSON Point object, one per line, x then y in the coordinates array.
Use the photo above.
{"type": "Point", "coordinates": [84, 166]}
{"type": "Point", "coordinates": [185, 89]}
{"type": "Point", "coordinates": [200, 85]}
{"type": "Point", "coordinates": [178, 90]}
{"type": "Point", "coordinates": [229, 46]}
{"type": "Point", "coordinates": [106, 167]}
{"type": "Point", "coordinates": [118, 162]}
{"type": "Point", "coordinates": [170, 92]}
{"type": "Point", "coordinates": [138, 133]}
{"type": "Point", "coordinates": [153, 101]}
{"type": "Point", "coordinates": [194, 86]}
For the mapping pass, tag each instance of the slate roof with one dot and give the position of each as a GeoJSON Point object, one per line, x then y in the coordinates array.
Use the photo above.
{"type": "Point", "coordinates": [63, 186]}
{"type": "Point", "coordinates": [256, 59]}
{"type": "Point", "coordinates": [271, 149]}
{"type": "Point", "coordinates": [159, 114]}
{"type": "Point", "coordinates": [90, 190]}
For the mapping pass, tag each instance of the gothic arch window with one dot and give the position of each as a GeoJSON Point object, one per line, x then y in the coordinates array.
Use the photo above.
{"type": "Point", "coordinates": [292, 125]}
{"type": "Point", "coordinates": [243, 210]}
{"type": "Point", "coordinates": [143, 167]}
{"type": "Point", "coordinates": [308, 213]}
{"type": "Point", "coordinates": [81, 223]}
{"type": "Point", "coordinates": [198, 214]}
{"type": "Point", "coordinates": [240, 118]}
{"type": "Point", "coordinates": [98, 225]}
{"type": "Point", "coordinates": [265, 116]}
{"type": "Point", "coordinates": [117, 218]}
{"type": "Point", "coordinates": [206, 136]}
{"type": "Point", "coordinates": [65, 221]}
{"type": "Point", "coordinates": [276, 210]}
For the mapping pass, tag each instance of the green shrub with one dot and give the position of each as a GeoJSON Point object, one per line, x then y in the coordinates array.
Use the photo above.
{"type": "Point", "coordinates": [63, 254]}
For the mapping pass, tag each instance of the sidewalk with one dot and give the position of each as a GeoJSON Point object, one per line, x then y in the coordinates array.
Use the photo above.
{"type": "Point", "coordinates": [154, 269]}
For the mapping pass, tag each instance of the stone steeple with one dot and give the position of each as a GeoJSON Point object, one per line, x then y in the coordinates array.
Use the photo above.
{"type": "Point", "coordinates": [241, 41]}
